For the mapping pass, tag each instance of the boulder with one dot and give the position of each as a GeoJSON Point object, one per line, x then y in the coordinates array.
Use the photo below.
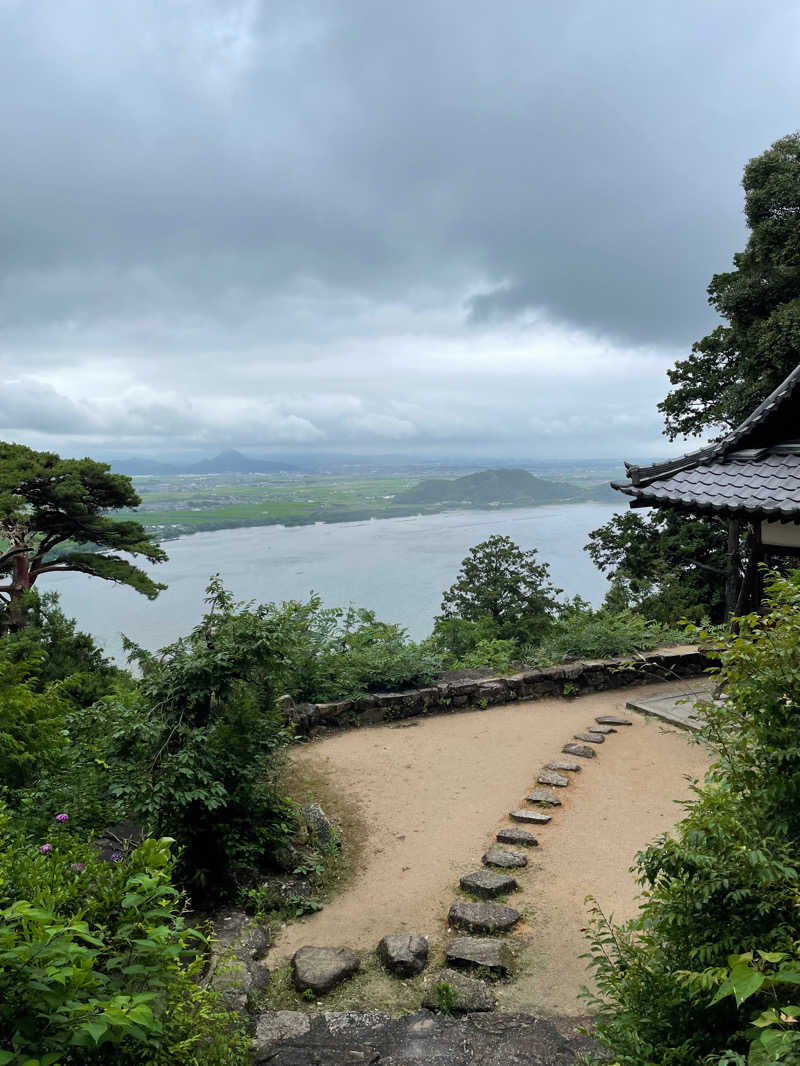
{"type": "Point", "coordinates": [482, 917]}
{"type": "Point", "coordinates": [320, 827]}
{"type": "Point", "coordinates": [514, 835]}
{"type": "Point", "coordinates": [456, 993]}
{"type": "Point", "coordinates": [487, 885]}
{"type": "Point", "coordinates": [322, 969]}
{"type": "Point", "coordinates": [466, 951]}
{"type": "Point", "coordinates": [403, 954]}
{"type": "Point", "coordinates": [509, 860]}
{"type": "Point", "coordinates": [235, 969]}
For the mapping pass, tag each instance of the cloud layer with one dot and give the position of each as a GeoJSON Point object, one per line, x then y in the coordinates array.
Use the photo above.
{"type": "Point", "coordinates": [432, 225]}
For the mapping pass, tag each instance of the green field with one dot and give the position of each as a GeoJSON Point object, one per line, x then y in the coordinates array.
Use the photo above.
{"type": "Point", "coordinates": [177, 505]}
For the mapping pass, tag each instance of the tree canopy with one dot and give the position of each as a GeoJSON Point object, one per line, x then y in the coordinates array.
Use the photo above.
{"type": "Point", "coordinates": [54, 518]}
{"type": "Point", "coordinates": [730, 371]}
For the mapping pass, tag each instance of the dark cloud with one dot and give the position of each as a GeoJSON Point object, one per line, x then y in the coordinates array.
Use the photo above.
{"type": "Point", "coordinates": [203, 187]}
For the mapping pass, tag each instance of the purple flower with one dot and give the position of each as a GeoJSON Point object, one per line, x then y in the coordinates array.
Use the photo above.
{"type": "Point", "coordinates": [62, 818]}
{"type": "Point", "coordinates": [78, 867]}
{"type": "Point", "coordinates": [116, 856]}
{"type": "Point", "coordinates": [45, 849]}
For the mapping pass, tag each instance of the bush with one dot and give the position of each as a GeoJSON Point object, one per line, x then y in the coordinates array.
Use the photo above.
{"type": "Point", "coordinates": [727, 882]}
{"type": "Point", "coordinates": [31, 720]}
{"type": "Point", "coordinates": [96, 964]}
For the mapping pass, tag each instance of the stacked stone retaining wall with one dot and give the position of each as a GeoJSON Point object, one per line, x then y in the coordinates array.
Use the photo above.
{"type": "Point", "coordinates": [566, 680]}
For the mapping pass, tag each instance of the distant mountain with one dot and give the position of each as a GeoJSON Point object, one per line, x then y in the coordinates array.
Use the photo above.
{"type": "Point", "coordinates": [491, 486]}
{"type": "Point", "coordinates": [227, 462]}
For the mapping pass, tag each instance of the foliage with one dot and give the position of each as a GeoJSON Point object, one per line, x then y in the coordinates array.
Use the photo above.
{"type": "Point", "coordinates": [50, 510]}
{"type": "Point", "coordinates": [583, 633]}
{"type": "Point", "coordinates": [31, 720]}
{"type": "Point", "coordinates": [96, 963]}
{"type": "Point", "coordinates": [196, 752]}
{"type": "Point", "coordinates": [665, 566]}
{"type": "Point", "coordinates": [500, 581]}
{"type": "Point", "coordinates": [738, 364]}
{"type": "Point", "coordinates": [726, 883]}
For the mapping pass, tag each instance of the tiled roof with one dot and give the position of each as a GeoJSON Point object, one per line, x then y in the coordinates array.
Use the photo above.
{"type": "Point", "coordinates": [764, 482]}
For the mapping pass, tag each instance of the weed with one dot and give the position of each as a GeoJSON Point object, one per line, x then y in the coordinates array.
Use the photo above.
{"type": "Point", "coordinates": [446, 997]}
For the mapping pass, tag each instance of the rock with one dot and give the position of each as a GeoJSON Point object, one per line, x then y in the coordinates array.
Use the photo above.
{"type": "Point", "coordinates": [285, 704]}
{"type": "Point", "coordinates": [465, 951]}
{"type": "Point", "coordinates": [482, 917]}
{"type": "Point", "coordinates": [550, 777]}
{"type": "Point", "coordinates": [583, 751]}
{"type": "Point", "coordinates": [604, 729]}
{"type": "Point", "coordinates": [118, 839]}
{"type": "Point", "coordinates": [235, 970]}
{"type": "Point", "coordinates": [563, 764]}
{"type": "Point", "coordinates": [305, 716]}
{"type": "Point", "coordinates": [612, 719]}
{"type": "Point", "coordinates": [487, 885]}
{"type": "Point", "coordinates": [503, 857]}
{"type": "Point", "coordinates": [529, 816]}
{"type": "Point", "coordinates": [462, 996]}
{"type": "Point", "coordinates": [403, 954]}
{"type": "Point", "coordinates": [513, 835]}
{"type": "Point", "coordinates": [342, 1023]}
{"type": "Point", "coordinates": [544, 795]}
{"type": "Point", "coordinates": [321, 969]}
{"type": "Point", "coordinates": [320, 827]}
{"type": "Point", "coordinates": [275, 1026]}
{"type": "Point", "coordinates": [590, 738]}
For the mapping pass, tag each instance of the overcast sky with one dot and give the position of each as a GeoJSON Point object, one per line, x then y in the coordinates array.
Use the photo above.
{"type": "Point", "coordinates": [432, 227]}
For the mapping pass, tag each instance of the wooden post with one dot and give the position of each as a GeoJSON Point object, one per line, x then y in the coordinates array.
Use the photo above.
{"type": "Point", "coordinates": [733, 570]}
{"type": "Point", "coordinates": [751, 592]}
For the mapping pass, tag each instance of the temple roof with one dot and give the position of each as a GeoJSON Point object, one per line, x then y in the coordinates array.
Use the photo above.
{"type": "Point", "coordinates": [753, 471]}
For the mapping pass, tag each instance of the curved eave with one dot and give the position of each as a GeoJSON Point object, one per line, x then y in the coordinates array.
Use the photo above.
{"type": "Point", "coordinates": [789, 512]}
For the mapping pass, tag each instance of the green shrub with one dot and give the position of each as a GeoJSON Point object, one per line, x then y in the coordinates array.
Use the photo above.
{"type": "Point", "coordinates": [31, 720]}
{"type": "Point", "coordinates": [726, 883]}
{"type": "Point", "coordinates": [96, 964]}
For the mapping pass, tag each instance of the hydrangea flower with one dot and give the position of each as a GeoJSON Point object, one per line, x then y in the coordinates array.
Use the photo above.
{"type": "Point", "coordinates": [116, 856]}
{"type": "Point", "coordinates": [45, 849]}
{"type": "Point", "coordinates": [62, 818]}
{"type": "Point", "coordinates": [78, 867]}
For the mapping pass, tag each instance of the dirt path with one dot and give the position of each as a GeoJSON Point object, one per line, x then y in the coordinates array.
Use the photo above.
{"type": "Point", "coordinates": [433, 795]}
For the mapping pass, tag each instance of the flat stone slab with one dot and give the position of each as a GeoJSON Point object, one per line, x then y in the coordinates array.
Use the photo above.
{"type": "Point", "coordinates": [482, 917]}
{"type": "Point", "coordinates": [679, 708]}
{"type": "Point", "coordinates": [583, 751]}
{"type": "Point", "coordinates": [465, 951]}
{"type": "Point", "coordinates": [604, 729]}
{"type": "Point", "coordinates": [563, 764]}
{"type": "Point", "coordinates": [487, 884]}
{"type": "Point", "coordinates": [535, 817]}
{"type": "Point", "coordinates": [590, 738]}
{"type": "Point", "coordinates": [551, 777]}
{"type": "Point", "coordinates": [510, 860]}
{"type": "Point", "coordinates": [613, 719]}
{"type": "Point", "coordinates": [544, 795]}
{"type": "Point", "coordinates": [470, 994]}
{"type": "Point", "coordinates": [403, 954]}
{"type": "Point", "coordinates": [322, 969]}
{"type": "Point", "coordinates": [513, 835]}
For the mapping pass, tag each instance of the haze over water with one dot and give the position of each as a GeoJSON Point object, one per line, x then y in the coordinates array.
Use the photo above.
{"type": "Point", "coordinates": [398, 567]}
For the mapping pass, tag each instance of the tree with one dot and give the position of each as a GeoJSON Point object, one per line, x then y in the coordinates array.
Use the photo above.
{"type": "Point", "coordinates": [501, 582]}
{"type": "Point", "coordinates": [53, 511]}
{"type": "Point", "coordinates": [737, 365]}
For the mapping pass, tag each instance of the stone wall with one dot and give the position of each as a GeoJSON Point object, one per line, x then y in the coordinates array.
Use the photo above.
{"type": "Point", "coordinates": [569, 679]}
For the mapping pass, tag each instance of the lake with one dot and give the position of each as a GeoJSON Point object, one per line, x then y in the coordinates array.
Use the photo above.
{"type": "Point", "coordinates": [398, 567]}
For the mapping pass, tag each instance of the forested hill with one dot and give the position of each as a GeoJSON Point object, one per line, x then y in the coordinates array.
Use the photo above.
{"type": "Point", "coordinates": [492, 486]}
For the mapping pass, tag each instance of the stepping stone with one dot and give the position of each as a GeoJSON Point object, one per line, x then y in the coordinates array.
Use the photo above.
{"type": "Point", "coordinates": [544, 795]}
{"type": "Point", "coordinates": [470, 993]}
{"type": "Point", "coordinates": [466, 951]}
{"type": "Point", "coordinates": [590, 738]}
{"type": "Point", "coordinates": [503, 857]}
{"type": "Point", "coordinates": [513, 835]}
{"type": "Point", "coordinates": [530, 816]}
{"type": "Point", "coordinates": [612, 719]}
{"type": "Point", "coordinates": [550, 777]}
{"type": "Point", "coordinates": [487, 885]}
{"type": "Point", "coordinates": [322, 969]}
{"type": "Point", "coordinates": [482, 917]}
{"type": "Point", "coordinates": [604, 729]}
{"type": "Point", "coordinates": [583, 751]}
{"type": "Point", "coordinates": [563, 764]}
{"type": "Point", "coordinates": [403, 954]}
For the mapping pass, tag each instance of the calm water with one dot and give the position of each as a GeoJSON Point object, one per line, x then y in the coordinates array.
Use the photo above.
{"type": "Point", "coordinates": [399, 567]}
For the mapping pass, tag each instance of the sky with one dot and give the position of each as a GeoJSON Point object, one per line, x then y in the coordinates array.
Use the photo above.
{"type": "Point", "coordinates": [424, 228]}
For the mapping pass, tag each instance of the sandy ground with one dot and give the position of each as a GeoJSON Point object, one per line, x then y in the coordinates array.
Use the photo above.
{"type": "Point", "coordinates": [433, 795]}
